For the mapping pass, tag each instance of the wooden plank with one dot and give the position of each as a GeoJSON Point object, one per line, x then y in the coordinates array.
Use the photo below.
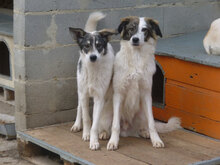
{"type": "Point", "coordinates": [190, 121]}
{"type": "Point", "coordinates": [190, 73]}
{"type": "Point", "coordinates": [201, 102]}
{"type": "Point", "coordinates": [176, 150]}
{"type": "Point", "coordinates": [72, 143]}
{"type": "Point", "coordinates": [142, 149]}
{"type": "Point", "coordinates": [180, 146]}
{"type": "Point", "coordinates": [212, 146]}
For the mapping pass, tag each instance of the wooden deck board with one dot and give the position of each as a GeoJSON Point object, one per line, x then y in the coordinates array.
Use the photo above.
{"type": "Point", "coordinates": [182, 147]}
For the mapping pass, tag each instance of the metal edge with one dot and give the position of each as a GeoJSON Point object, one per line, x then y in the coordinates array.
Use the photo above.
{"type": "Point", "coordinates": [10, 127]}
{"type": "Point", "coordinates": [8, 130]}
{"type": "Point", "coordinates": [63, 154]}
{"type": "Point", "coordinates": [215, 161]}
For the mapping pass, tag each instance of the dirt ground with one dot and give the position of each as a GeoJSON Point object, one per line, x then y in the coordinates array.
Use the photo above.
{"type": "Point", "coordinates": [8, 148]}
{"type": "Point", "coordinates": [9, 153]}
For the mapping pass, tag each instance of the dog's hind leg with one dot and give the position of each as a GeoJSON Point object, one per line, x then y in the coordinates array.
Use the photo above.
{"type": "Point", "coordinates": [104, 135]}
{"type": "Point", "coordinates": [77, 126]}
{"type": "Point", "coordinates": [98, 107]}
{"type": "Point", "coordinates": [84, 102]}
{"type": "Point", "coordinates": [141, 124]}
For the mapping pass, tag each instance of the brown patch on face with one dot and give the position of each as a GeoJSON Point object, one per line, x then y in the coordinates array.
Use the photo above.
{"type": "Point", "coordinates": [153, 29]}
{"type": "Point", "coordinates": [128, 27]}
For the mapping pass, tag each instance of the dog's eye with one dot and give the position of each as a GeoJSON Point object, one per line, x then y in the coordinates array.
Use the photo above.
{"type": "Point", "coordinates": [99, 46]}
{"type": "Point", "coordinates": [87, 46]}
{"type": "Point", "coordinates": [131, 29]}
{"type": "Point", "coordinates": [144, 29]}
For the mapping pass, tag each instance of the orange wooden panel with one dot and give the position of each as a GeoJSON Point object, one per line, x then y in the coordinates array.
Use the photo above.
{"type": "Point", "coordinates": [198, 101]}
{"type": "Point", "coordinates": [191, 73]}
{"type": "Point", "coordinates": [190, 121]}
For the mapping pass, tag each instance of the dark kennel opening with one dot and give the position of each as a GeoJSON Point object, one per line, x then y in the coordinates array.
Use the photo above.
{"type": "Point", "coordinates": [4, 60]}
{"type": "Point", "coordinates": [1, 91]}
{"type": "Point", "coordinates": [7, 4]}
{"type": "Point", "coordinates": [158, 87]}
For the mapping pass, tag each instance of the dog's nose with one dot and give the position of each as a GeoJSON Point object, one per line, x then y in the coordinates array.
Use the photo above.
{"type": "Point", "coordinates": [135, 40]}
{"type": "Point", "coordinates": [93, 58]}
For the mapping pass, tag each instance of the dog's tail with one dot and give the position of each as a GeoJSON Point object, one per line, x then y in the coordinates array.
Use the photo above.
{"type": "Point", "coordinates": [172, 124]}
{"type": "Point", "coordinates": [93, 20]}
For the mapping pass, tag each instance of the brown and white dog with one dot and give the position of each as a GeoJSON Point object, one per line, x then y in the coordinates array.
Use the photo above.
{"type": "Point", "coordinates": [134, 67]}
{"type": "Point", "coordinates": [211, 41]}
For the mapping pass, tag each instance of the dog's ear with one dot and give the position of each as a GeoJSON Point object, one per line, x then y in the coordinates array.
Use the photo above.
{"type": "Point", "coordinates": [77, 34]}
{"type": "Point", "coordinates": [124, 22]}
{"type": "Point", "coordinates": [107, 33]}
{"type": "Point", "coordinates": [154, 25]}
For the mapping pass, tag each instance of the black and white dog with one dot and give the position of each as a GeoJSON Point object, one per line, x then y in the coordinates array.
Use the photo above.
{"type": "Point", "coordinates": [134, 67]}
{"type": "Point", "coordinates": [94, 74]}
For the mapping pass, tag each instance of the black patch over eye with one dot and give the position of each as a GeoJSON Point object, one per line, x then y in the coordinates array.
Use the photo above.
{"type": "Point", "coordinates": [86, 43]}
{"type": "Point", "coordinates": [87, 46]}
{"type": "Point", "coordinates": [99, 46]}
{"type": "Point", "coordinates": [144, 29]}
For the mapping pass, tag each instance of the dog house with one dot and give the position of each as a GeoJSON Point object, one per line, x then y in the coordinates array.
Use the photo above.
{"type": "Point", "coordinates": [192, 90]}
{"type": "Point", "coordinates": [40, 61]}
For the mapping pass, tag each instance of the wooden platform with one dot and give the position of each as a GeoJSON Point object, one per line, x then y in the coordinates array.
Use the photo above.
{"type": "Point", "coordinates": [182, 147]}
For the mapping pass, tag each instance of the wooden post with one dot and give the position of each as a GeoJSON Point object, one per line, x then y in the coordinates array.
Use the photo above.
{"type": "Point", "coordinates": [27, 149]}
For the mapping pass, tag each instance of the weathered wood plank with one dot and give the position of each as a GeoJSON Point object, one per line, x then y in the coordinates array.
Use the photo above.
{"type": "Point", "coordinates": [199, 101]}
{"type": "Point", "coordinates": [202, 76]}
{"type": "Point", "coordinates": [181, 146]}
{"type": "Point", "coordinates": [72, 143]}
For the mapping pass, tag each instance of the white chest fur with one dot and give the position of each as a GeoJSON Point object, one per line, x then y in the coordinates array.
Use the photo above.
{"type": "Point", "coordinates": [134, 69]}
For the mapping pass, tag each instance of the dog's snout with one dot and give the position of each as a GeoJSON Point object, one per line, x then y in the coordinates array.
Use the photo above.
{"type": "Point", "coordinates": [135, 40]}
{"type": "Point", "coordinates": [93, 58]}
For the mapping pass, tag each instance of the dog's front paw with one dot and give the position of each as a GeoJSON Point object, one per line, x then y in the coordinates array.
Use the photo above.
{"type": "Point", "coordinates": [94, 145]}
{"type": "Point", "coordinates": [157, 143]}
{"type": "Point", "coordinates": [86, 136]}
{"type": "Point", "coordinates": [103, 135]}
{"type": "Point", "coordinates": [112, 145]}
{"type": "Point", "coordinates": [76, 128]}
